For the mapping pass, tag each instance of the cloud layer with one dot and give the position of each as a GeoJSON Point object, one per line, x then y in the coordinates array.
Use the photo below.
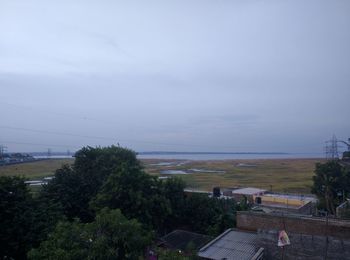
{"type": "Point", "coordinates": [175, 75]}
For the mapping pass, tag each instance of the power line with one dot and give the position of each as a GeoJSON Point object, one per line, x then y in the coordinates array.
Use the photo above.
{"type": "Point", "coordinates": [85, 118]}
{"type": "Point", "coordinates": [53, 132]}
{"type": "Point", "coordinates": [104, 138]}
{"type": "Point", "coordinates": [39, 144]}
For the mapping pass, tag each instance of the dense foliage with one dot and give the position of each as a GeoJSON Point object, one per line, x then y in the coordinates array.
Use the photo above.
{"type": "Point", "coordinates": [104, 206]}
{"type": "Point", "coordinates": [15, 217]}
{"type": "Point", "coordinates": [74, 187]}
{"type": "Point", "coordinates": [110, 236]}
{"type": "Point", "coordinates": [331, 184]}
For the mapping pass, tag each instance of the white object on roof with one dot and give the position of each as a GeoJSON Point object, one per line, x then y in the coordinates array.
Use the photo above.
{"type": "Point", "coordinates": [248, 191]}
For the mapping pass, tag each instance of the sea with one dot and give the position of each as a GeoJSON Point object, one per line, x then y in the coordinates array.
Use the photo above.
{"type": "Point", "coordinates": [228, 156]}
{"type": "Point", "coordinates": [206, 156]}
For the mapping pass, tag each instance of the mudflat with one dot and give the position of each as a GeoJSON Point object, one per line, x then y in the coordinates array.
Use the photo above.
{"type": "Point", "coordinates": [281, 175]}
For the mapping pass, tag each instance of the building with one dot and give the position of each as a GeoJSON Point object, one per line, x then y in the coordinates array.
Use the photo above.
{"type": "Point", "coordinates": [237, 244]}
{"type": "Point", "coordinates": [189, 192]}
{"type": "Point", "coordinates": [343, 210]}
{"type": "Point", "coordinates": [233, 244]}
{"type": "Point", "coordinates": [294, 223]}
{"type": "Point", "coordinates": [273, 202]}
{"type": "Point", "coordinates": [246, 193]}
{"type": "Point", "coordinates": [183, 241]}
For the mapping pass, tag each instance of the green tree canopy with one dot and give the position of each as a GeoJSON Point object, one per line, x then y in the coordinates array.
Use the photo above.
{"type": "Point", "coordinates": [110, 236]}
{"type": "Point", "coordinates": [137, 194]}
{"type": "Point", "coordinates": [330, 184]}
{"type": "Point", "coordinates": [174, 193]}
{"type": "Point", "coordinates": [208, 215]}
{"type": "Point", "coordinates": [94, 165]}
{"type": "Point", "coordinates": [74, 187]}
{"type": "Point", "coordinates": [15, 217]}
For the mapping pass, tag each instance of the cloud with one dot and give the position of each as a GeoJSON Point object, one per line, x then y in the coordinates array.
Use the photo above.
{"type": "Point", "coordinates": [217, 74]}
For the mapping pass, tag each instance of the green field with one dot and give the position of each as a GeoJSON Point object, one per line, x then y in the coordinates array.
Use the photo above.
{"type": "Point", "coordinates": [283, 175]}
{"type": "Point", "coordinates": [34, 170]}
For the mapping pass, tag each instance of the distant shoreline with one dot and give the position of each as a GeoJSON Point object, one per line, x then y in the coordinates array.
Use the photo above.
{"type": "Point", "coordinates": [226, 156]}
{"type": "Point", "coordinates": [168, 155]}
{"type": "Point", "coordinates": [202, 155]}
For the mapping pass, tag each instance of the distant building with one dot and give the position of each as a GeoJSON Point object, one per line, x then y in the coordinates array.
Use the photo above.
{"type": "Point", "coordinates": [248, 193]}
{"type": "Point", "coordinates": [14, 158]}
{"type": "Point", "coordinates": [273, 202]}
{"type": "Point", "coordinates": [189, 192]}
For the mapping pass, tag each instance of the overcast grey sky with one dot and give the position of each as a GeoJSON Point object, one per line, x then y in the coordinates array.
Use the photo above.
{"type": "Point", "coordinates": [184, 75]}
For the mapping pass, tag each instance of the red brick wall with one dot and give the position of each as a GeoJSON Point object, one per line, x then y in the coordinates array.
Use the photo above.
{"type": "Point", "coordinates": [295, 224]}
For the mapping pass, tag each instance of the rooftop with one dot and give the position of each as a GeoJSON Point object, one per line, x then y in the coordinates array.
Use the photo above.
{"type": "Point", "coordinates": [181, 239]}
{"type": "Point", "coordinates": [291, 197]}
{"type": "Point", "coordinates": [248, 191]}
{"type": "Point", "coordinates": [232, 244]}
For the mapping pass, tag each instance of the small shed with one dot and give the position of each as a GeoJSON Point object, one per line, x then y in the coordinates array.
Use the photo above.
{"type": "Point", "coordinates": [249, 193]}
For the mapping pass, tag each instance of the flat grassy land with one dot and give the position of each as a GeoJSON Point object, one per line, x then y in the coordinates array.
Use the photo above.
{"type": "Point", "coordinates": [283, 175]}
{"type": "Point", "coordinates": [34, 170]}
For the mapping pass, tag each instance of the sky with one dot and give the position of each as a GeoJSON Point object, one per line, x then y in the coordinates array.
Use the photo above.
{"type": "Point", "coordinates": [184, 75]}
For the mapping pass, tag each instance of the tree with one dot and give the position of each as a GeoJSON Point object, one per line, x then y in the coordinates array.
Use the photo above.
{"type": "Point", "coordinates": [208, 215]}
{"type": "Point", "coordinates": [74, 187]}
{"type": "Point", "coordinates": [15, 218]}
{"type": "Point", "coordinates": [174, 192]}
{"type": "Point", "coordinates": [137, 194]}
{"type": "Point", "coordinates": [110, 236]}
{"type": "Point", "coordinates": [68, 193]}
{"type": "Point", "coordinates": [94, 165]}
{"type": "Point", "coordinates": [330, 184]}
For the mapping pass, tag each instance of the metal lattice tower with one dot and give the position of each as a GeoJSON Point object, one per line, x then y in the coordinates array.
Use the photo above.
{"type": "Point", "coordinates": [332, 148]}
{"type": "Point", "coordinates": [49, 152]}
{"type": "Point", "coordinates": [3, 150]}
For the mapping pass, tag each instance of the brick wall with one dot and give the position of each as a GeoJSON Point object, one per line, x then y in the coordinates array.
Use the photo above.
{"type": "Point", "coordinates": [304, 247]}
{"type": "Point", "coordinates": [255, 221]}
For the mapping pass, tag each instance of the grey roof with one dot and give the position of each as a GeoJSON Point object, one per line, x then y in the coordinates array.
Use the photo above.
{"type": "Point", "coordinates": [248, 191]}
{"type": "Point", "coordinates": [232, 244]}
{"type": "Point", "coordinates": [180, 239]}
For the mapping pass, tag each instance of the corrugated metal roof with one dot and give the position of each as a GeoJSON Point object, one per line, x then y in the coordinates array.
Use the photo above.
{"type": "Point", "coordinates": [232, 244]}
{"type": "Point", "coordinates": [180, 239]}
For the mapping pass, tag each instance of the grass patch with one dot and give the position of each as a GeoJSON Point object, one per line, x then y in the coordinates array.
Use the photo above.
{"type": "Point", "coordinates": [34, 170]}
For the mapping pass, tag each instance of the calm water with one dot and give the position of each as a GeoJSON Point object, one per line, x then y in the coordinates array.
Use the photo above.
{"type": "Point", "coordinates": [229, 156]}
{"type": "Point", "coordinates": [209, 156]}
